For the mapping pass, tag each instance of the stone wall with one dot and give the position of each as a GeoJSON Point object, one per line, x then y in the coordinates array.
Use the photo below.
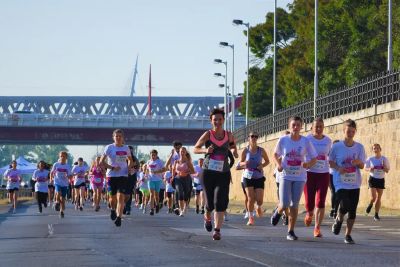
{"type": "Point", "coordinates": [379, 124]}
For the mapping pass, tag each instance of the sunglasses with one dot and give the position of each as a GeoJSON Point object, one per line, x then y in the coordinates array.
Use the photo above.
{"type": "Point", "coordinates": [254, 136]}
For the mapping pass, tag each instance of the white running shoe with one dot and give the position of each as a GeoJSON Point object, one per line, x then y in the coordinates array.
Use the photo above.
{"type": "Point", "coordinates": [246, 215]}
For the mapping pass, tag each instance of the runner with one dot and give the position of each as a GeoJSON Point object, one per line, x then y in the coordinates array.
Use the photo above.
{"type": "Point", "coordinates": [139, 195]}
{"type": "Point", "coordinates": [144, 187]}
{"type": "Point", "coordinates": [377, 166]}
{"type": "Point", "coordinates": [174, 155]}
{"type": "Point", "coordinates": [169, 190]}
{"type": "Point", "coordinates": [60, 173]}
{"type": "Point", "coordinates": [182, 169]}
{"type": "Point", "coordinates": [13, 177]}
{"type": "Point", "coordinates": [79, 172]}
{"type": "Point", "coordinates": [50, 200]}
{"type": "Point", "coordinates": [97, 174]}
{"type": "Point", "coordinates": [216, 170]}
{"type": "Point", "coordinates": [41, 178]}
{"type": "Point", "coordinates": [197, 186]}
{"type": "Point", "coordinates": [252, 160]}
{"type": "Point", "coordinates": [131, 184]}
{"type": "Point", "coordinates": [119, 162]}
{"type": "Point", "coordinates": [347, 157]}
{"type": "Point", "coordinates": [155, 168]}
{"type": "Point", "coordinates": [317, 183]}
{"type": "Point", "coordinates": [290, 153]}
{"type": "Point", "coordinates": [334, 203]}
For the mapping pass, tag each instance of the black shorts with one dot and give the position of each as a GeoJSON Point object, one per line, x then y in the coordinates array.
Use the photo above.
{"type": "Point", "coordinates": [117, 184]}
{"type": "Point", "coordinates": [50, 186]}
{"type": "Point", "coordinates": [12, 190]}
{"type": "Point", "coordinates": [376, 183]}
{"type": "Point", "coordinates": [197, 192]}
{"type": "Point", "coordinates": [169, 194]}
{"type": "Point", "coordinates": [130, 184]}
{"type": "Point", "coordinates": [80, 185]}
{"type": "Point", "coordinates": [256, 183]}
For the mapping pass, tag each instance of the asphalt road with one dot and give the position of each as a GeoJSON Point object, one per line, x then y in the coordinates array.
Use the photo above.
{"type": "Point", "coordinates": [88, 238]}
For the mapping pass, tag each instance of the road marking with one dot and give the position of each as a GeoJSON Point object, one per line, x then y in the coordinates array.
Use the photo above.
{"type": "Point", "coordinates": [386, 229]}
{"type": "Point", "coordinates": [237, 256]}
{"type": "Point", "coordinates": [51, 229]}
{"type": "Point", "coordinates": [367, 226]}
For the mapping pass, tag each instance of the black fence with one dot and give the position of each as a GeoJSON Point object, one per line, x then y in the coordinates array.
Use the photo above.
{"type": "Point", "coordinates": [378, 89]}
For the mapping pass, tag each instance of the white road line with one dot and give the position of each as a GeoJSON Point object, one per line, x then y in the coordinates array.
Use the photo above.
{"type": "Point", "coordinates": [237, 256]}
{"type": "Point", "coordinates": [386, 229]}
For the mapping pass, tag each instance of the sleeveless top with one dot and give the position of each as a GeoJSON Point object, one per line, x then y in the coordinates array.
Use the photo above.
{"type": "Point", "coordinates": [97, 175]}
{"type": "Point", "coordinates": [182, 169]}
{"type": "Point", "coordinates": [218, 160]}
{"type": "Point", "coordinates": [254, 160]}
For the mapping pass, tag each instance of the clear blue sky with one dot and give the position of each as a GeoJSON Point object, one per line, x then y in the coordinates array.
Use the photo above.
{"type": "Point", "coordinates": [88, 47]}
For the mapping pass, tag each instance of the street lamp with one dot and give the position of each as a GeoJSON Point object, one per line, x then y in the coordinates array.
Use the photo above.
{"type": "Point", "coordinates": [238, 22]}
{"type": "Point", "coordinates": [225, 44]}
{"type": "Point", "coordinates": [220, 61]}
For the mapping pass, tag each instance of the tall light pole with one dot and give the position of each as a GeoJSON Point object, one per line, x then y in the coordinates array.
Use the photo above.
{"type": "Point", "coordinates": [220, 61]}
{"type": "Point", "coordinates": [316, 58]}
{"type": "Point", "coordinates": [390, 49]}
{"type": "Point", "coordinates": [274, 66]}
{"type": "Point", "coordinates": [225, 44]}
{"type": "Point", "coordinates": [240, 22]}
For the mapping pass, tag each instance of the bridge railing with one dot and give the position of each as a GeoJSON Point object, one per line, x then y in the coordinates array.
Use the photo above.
{"type": "Point", "coordinates": [379, 89]}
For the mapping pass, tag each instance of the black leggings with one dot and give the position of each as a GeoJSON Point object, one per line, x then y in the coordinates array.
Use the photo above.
{"type": "Point", "coordinates": [183, 186]}
{"type": "Point", "coordinates": [348, 199]}
{"type": "Point", "coordinates": [41, 198]}
{"type": "Point", "coordinates": [216, 189]}
{"type": "Point", "coordinates": [334, 201]}
{"type": "Point", "coordinates": [161, 195]}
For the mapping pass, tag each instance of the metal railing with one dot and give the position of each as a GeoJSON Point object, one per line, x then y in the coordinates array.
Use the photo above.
{"type": "Point", "coordinates": [375, 90]}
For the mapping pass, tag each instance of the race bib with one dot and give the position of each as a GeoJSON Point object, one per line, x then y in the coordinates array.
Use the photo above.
{"type": "Point", "coordinates": [248, 174]}
{"type": "Point", "coordinates": [97, 180]}
{"type": "Point", "coordinates": [379, 173]}
{"type": "Point", "coordinates": [216, 165]}
{"type": "Point", "coordinates": [14, 179]}
{"type": "Point", "coordinates": [292, 171]}
{"type": "Point", "coordinates": [320, 165]}
{"type": "Point", "coordinates": [120, 157]}
{"type": "Point", "coordinates": [348, 178]}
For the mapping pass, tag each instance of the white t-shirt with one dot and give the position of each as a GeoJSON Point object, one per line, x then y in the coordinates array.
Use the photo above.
{"type": "Point", "coordinates": [13, 178]}
{"type": "Point", "coordinates": [79, 174]}
{"type": "Point", "coordinates": [322, 146]}
{"type": "Point", "coordinates": [199, 171]}
{"type": "Point", "coordinates": [377, 164]}
{"type": "Point", "coordinates": [61, 173]}
{"type": "Point", "coordinates": [155, 165]}
{"type": "Point", "coordinates": [42, 180]}
{"type": "Point", "coordinates": [117, 156]}
{"type": "Point", "coordinates": [293, 154]}
{"type": "Point", "coordinates": [167, 177]}
{"type": "Point", "coordinates": [342, 155]}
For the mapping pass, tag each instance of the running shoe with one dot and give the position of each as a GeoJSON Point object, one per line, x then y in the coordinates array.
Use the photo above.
{"type": "Point", "coordinates": [331, 214]}
{"type": "Point", "coordinates": [141, 206]}
{"type": "Point", "coordinates": [61, 214]}
{"type": "Point", "coordinates": [80, 208]}
{"type": "Point", "coordinates": [368, 209]}
{"type": "Point", "coordinates": [97, 208]}
{"type": "Point", "coordinates": [251, 221]}
{"type": "Point", "coordinates": [216, 235]}
{"type": "Point", "coordinates": [151, 212]}
{"type": "Point", "coordinates": [348, 240]}
{"type": "Point", "coordinates": [259, 212]}
{"type": "Point", "coordinates": [40, 209]}
{"type": "Point", "coordinates": [202, 210]}
{"type": "Point", "coordinates": [285, 219]}
{"type": "Point", "coordinates": [57, 206]}
{"type": "Point", "coordinates": [275, 218]}
{"type": "Point", "coordinates": [336, 226]}
{"type": "Point", "coordinates": [118, 221]}
{"type": "Point", "coordinates": [376, 217]}
{"type": "Point", "coordinates": [181, 214]}
{"type": "Point", "coordinates": [113, 215]}
{"type": "Point", "coordinates": [246, 215]}
{"type": "Point", "coordinates": [45, 204]}
{"type": "Point", "coordinates": [207, 224]}
{"type": "Point", "coordinates": [308, 220]}
{"type": "Point", "coordinates": [317, 232]}
{"type": "Point", "coordinates": [157, 208]}
{"type": "Point", "coordinates": [176, 211]}
{"type": "Point", "coordinates": [291, 236]}
{"type": "Point", "coordinates": [197, 209]}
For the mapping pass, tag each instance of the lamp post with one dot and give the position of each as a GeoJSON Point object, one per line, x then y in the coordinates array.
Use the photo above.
{"type": "Point", "coordinates": [390, 48]}
{"type": "Point", "coordinates": [315, 58]}
{"type": "Point", "coordinates": [220, 61]}
{"type": "Point", "coordinates": [240, 22]}
{"type": "Point", "coordinates": [225, 44]}
{"type": "Point", "coordinates": [274, 66]}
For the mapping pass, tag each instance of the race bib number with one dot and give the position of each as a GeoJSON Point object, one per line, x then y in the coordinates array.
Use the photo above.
{"type": "Point", "coordinates": [379, 173]}
{"type": "Point", "coordinates": [292, 171]}
{"type": "Point", "coordinates": [97, 180]}
{"type": "Point", "coordinates": [348, 178]}
{"type": "Point", "coordinates": [320, 165]}
{"type": "Point", "coordinates": [248, 174]}
{"type": "Point", "coordinates": [120, 159]}
{"type": "Point", "coordinates": [216, 165]}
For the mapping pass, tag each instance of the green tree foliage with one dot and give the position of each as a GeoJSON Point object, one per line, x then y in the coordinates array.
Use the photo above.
{"type": "Point", "coordinates": [352, 38]}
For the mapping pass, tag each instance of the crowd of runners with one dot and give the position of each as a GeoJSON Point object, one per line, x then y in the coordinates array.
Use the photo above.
{"type": "Point", "coordinates": [303, 164]}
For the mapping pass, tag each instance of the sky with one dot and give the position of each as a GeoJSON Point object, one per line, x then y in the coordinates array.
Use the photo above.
{"type": "Point", "coordinates": [85, 48]}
